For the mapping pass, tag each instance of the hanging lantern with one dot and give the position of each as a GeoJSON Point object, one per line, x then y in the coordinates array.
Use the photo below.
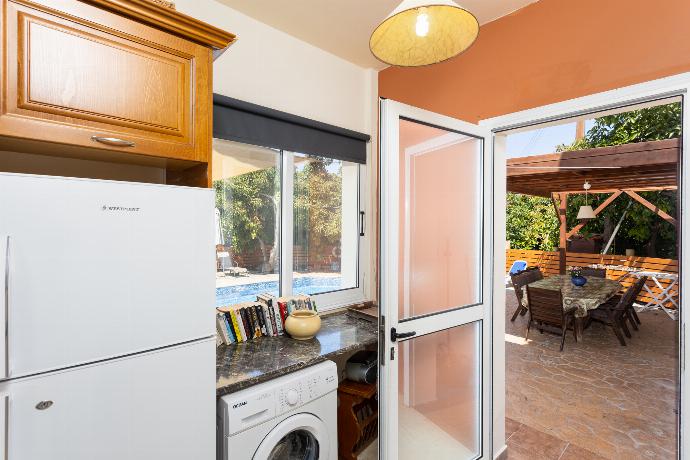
{"type": "Point", "coordinates": [417, 33]}
{"type": "Point", "coordinates": [586, 211]}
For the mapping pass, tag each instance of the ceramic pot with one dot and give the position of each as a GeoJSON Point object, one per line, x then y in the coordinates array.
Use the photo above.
{"type": "Point", "coordinates": [579, 280]}
{"type": "Point", "coordinates": [303, 324]}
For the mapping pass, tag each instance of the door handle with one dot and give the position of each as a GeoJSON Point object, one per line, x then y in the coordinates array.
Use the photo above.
{"type": "Point", "coordinates": [114, 141]}
{"type": "Point", "coordinates": [395, 336]}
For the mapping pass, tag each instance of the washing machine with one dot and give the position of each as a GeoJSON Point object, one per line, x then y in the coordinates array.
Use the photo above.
{"type": "Point", "coordinates": [291, 417]}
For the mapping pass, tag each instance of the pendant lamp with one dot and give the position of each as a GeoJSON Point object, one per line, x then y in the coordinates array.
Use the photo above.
{"type": "Point", "coordinates": [586, 211]}
{"type": "Point", "coordinates": [423, 32]}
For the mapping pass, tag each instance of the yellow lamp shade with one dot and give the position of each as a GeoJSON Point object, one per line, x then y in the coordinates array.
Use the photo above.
{"type": "Point", "coordinates": [418, 33]}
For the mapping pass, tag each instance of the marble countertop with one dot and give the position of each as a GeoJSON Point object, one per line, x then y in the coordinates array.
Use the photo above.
{"type": "Point", "coordinates": [245, 364]}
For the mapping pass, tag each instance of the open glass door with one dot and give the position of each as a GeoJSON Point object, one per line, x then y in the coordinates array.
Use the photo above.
{"type": "Point", "coordinates": [435, 345]}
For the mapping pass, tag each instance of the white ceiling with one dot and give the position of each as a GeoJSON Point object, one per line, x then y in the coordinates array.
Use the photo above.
{"type": "Point", "coordinates": [343, 27]}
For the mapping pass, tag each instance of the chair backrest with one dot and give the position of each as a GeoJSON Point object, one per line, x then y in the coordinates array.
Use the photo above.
{"type": "Point", "coordinates": [523, 278]}
{"type": "Point", "coordinates": [545, 305]}
{"type": "Point", "coordinates": [628, 298]}
{"type": "Point", "coordinates": [595, 272]}
{"type": "Point", "coordinates": [518, 266]}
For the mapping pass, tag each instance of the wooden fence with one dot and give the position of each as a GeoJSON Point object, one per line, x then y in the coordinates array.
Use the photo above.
{"type": "Point", "coordinates": [548, 263]}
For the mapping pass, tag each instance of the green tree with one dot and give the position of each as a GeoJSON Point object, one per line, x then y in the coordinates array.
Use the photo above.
{"type": "Point", "coordinates": [250, 206]}
{"type": "Point", "coordinates": [250, 209]}
{"type": "Point", "coordinates": [318, 206]}
{"type": "Point", "coordinates": [531, 222]}
{"type": "Point", "coordinates": [649, 124]}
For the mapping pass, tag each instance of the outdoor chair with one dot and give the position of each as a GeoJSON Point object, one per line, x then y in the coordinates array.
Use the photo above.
{"type": "Point", "coordinates": [617, 311]}
{"type": "Point", "coordinates": [519, 280]}
{"type": "Point", "coordinates": [630, 313]}
{"type": "Point", "coordinates": [595, 272]}
{"type": "Point", "coordinates": [546, 309]}
{"type": "Point", "coordinates": [516, 267]}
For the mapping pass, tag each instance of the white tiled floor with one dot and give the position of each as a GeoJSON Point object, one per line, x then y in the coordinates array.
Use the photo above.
{"type": "Point", "coordinates": [419, 437]}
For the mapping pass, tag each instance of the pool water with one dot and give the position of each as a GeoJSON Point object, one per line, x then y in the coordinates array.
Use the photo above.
{"type": "Point", "coordinates": [303, 285]}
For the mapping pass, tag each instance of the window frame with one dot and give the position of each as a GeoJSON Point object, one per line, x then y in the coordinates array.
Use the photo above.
{"type": "Point", "coordinates": [333, 299]}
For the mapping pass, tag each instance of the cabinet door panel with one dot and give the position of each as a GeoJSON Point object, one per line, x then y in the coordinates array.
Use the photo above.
{"type": "Point", "coordinates": [82, 72]}
{"type": "Point", "coordinates": [64, 68]}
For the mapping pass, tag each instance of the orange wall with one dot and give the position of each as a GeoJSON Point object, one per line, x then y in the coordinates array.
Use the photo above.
{"type": "Point", "coordinates": [551, 51]}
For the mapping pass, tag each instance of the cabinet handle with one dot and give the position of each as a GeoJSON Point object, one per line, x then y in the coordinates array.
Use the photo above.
{"type": "Point", "coordinates": [114, 141]}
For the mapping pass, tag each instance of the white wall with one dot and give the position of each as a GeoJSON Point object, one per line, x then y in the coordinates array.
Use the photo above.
{"type": "Point", "coordinates": [271, 68]}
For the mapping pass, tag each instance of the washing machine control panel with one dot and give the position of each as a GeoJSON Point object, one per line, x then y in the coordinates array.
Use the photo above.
{"type": "Point", "coordinates": [297, 392]}
{"type": "Point", "coordinates": [254, 405]}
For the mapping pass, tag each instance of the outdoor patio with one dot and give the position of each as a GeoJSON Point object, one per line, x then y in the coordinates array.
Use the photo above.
{"type": "Point", "coordinates": [596, 399]}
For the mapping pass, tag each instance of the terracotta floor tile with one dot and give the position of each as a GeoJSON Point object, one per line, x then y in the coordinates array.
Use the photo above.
{"type": "Point", "coordinates": [617, 402]}
{"type": "Point", "coordinates": [527, 442]}
{"type": "Point", "coordinates": [511, 427]}
{"type": "Point", "coordinates": [573, 452]}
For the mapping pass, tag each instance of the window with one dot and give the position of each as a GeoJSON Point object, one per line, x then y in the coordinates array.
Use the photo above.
{"type": "Point", "coordinates": [267, 197]}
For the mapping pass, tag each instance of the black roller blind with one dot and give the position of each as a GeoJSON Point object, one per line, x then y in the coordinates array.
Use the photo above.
{"type": "Point", "coordinates": [241, 121]}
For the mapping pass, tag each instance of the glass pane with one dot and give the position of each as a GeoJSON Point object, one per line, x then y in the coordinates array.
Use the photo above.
{"type": "Point", "coordinates": [246, 180]}
{"type": "Point", "coordinates": [439, 395]}
{"type": "Point", "coordinates": [326, 216]}
{"type": "Point", "coordinates": [440, 219]}
{"type": "Point", "coordinates": [296, 445]}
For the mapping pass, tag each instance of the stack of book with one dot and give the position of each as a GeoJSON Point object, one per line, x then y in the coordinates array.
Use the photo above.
{"type": "Point", "coordinates": [263, 318]}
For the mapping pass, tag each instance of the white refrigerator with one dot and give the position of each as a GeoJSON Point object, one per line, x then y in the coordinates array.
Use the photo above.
{"type": "Point", "coordinates": [106, 304]}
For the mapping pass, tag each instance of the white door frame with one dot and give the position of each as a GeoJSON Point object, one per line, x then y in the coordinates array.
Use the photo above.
{"type": "Point", "coordinates": [389, 228]}
{"type": "Point", "coordinates": [678, 86]}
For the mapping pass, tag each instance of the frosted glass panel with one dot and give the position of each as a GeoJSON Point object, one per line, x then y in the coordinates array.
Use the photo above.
{"type": "Point", "coordinates": [441, 217]}
{"type": "Point", "coordinates": [440, 395]}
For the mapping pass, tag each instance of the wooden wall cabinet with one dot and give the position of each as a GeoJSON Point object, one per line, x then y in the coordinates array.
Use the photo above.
{"type": "Point", "coordinates": [119, 80]}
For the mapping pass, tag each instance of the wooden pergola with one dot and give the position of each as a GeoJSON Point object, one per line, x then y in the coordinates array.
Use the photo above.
{"type": "Point", "coordinates": [623, 169]}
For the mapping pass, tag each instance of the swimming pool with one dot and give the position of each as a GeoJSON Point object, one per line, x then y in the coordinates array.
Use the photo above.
{"type": "Point", "coordinates": [303, 285]}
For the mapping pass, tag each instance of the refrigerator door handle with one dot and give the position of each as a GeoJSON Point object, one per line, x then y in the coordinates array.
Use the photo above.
{"type": "Point", "coordinates": [4, 311]}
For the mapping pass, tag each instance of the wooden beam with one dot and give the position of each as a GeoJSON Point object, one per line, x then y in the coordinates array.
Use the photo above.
{"type": "Point", "coordinates": [580, 129]}
{"type": "Point", "coordinates": [613, 190]}
{"type": "Point", "coordinates": [555, 205]}
{"type": "Point", "coordinates": [563, 229]}
{"type": "Point", "coordinates": [652, 208]}
{"type": "Point", "coordinates": [641, 154]}
{"type": "Point", "coordinates": [600, 208]}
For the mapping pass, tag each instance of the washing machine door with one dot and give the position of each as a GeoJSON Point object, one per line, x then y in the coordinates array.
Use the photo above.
{"type": "Point", "coordinates": [299, 437]}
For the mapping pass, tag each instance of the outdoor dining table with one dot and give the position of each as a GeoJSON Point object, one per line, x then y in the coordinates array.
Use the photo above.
{"type": "Point", "coordinates": [581, 299]}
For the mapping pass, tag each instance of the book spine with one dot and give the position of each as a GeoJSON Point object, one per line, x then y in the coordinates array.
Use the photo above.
{"type": "Point", "coordinates": [233, 323]}
{"type": "Point", "coordinates": [282, 309]}
{"type": "Point", "coordinates": [247, 325]}
{"type": "Point", "coordinates": [279, 321]}
{"type": "Point", "coordinates": [220, 322]}
{"type": "Point", "coordinates": [256, 327]}
{"type": "Point", "coordinates": [228, 323]}
{"type": "Point", "coordinates": [237, 325]}
{"type": "Point", "coordinates": [271, 313]}
{"type": "Point", "coordinates": [269, 324]}
{"type": "Point", "coordinates": [266, 318]}
{"type": "Point", "coordinates": [260, 318]}
{"type": "Point", "coordinates": [219, 331]}
{"type": "Point", "coordinates": [250, 322]}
